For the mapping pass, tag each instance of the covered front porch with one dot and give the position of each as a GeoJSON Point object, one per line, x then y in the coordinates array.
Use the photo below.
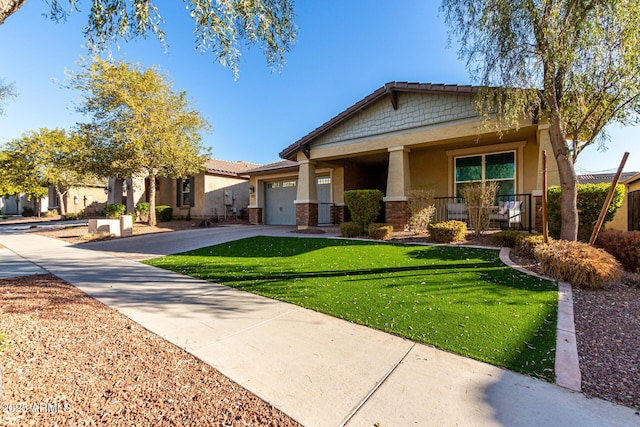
{"type": "Point", "coordinates": [442, 168]}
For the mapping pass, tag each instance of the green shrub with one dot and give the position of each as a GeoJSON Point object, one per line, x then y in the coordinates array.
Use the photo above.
{"type": "Point", "coordinates": [591, 198]}
{"type": "Point", "coordinates": [27, 211]}
{"type": "Point", "coordinates": [421, 209]}
{"type": "Point", "coordinates": [624, 246]}
{"type": "Point", "coordinates": [525, 245]}
{"type": "Point", "coordinates": [448, 231]}
{"type": "Point", "coordinates": [380, 231]}
{"type": "Point", "coordinates": [507, 238]}
{"type": "Point", "coordinates": [143, 208]}
{"type": "Point", "coordinates": [478, 199]}
{"type": "Point", "coordinates": [164, 213]}
{"type": "Point", "coordinates": [71, 215]}
{"type": "Point", "coordinates": [350, 229]}
{"type": "Point", "coordinates": [50, 213]}
{"type": "Point", "coordinates": [578, 263]}
{"type": "Point", "coordinates": [364, 205]}
{"type": "Point", "coordinates": [114, 210]}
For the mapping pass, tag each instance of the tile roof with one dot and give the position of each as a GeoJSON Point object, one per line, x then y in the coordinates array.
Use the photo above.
{"type": "Point", "coordinates": [388, 90]}
{"type": "Point", "coordinates": [598, 178]}
{"type": "Point", "coordinates": [223, 167]}
{"type": "Point", "coordinates": [272, 167]}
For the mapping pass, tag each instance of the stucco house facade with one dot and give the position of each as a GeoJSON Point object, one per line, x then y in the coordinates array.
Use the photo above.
{"type": "Point", "coordinates": [403, 136]}
{"type": "Point", "coordinates": [88, 199]}
{"type": "Point", "coordinates": [220, 191]}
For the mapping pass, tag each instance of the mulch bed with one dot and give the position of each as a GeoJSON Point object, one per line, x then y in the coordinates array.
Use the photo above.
{"type": "Point", "coordinates": [73, 361]}
{"type": "Point", "coordinates": [607, 325]}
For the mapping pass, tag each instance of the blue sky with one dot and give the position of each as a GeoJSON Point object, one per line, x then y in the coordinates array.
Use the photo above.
{"type": "Point", "coordinates": [345, 50]}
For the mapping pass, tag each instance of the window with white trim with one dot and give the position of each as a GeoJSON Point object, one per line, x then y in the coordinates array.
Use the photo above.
{"type": "Point", "coordinates": [496, 167]}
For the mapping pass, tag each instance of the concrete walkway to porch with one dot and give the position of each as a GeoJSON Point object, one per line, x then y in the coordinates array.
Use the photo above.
{"type": "Point", "coordinates": [320, 370]}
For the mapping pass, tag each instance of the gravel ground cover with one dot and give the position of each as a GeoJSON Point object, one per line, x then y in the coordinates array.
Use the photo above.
{"type": "Point", "coordinates": [608, 334]}
{"type": "Point", "coordinates": [72, 361]}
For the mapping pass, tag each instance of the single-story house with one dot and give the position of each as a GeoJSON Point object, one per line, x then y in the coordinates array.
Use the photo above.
{"type": "Point", "coordinates": [89, 199]}
{"type": "Point", "coordinates": [404, 136]}
{"type": "Point", "coordinates": [220, 191]}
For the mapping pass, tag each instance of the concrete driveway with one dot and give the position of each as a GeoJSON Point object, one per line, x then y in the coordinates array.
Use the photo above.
{"type": "Point", "coordinates": [147, 246]}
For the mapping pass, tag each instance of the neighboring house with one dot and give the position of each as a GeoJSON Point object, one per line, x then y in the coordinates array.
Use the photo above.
{"type": "Point", "coordinates": [13, 205]}
{"type": "Point", "coordinates": [89, 199]}
{"type": "Point", "coordinates": [221, 191]}
{"type": "Point", "coordinates": [404, 136]}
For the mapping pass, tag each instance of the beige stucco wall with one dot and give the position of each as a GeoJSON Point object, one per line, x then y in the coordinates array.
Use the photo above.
{"type": "Point", "coordinates": [621, 219]}
{"type": "Point", "coordinates": [166, 194]}
{"type": "Point", "coordinates": [90, 199]}
{"type": "Point", "coordinates": [208, 198]}
{"type": "Point", "coordinates": [214, 195]}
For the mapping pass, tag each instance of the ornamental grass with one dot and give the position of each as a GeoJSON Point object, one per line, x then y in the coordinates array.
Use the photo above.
{"type": "Point", "coordinates": [578, 263]}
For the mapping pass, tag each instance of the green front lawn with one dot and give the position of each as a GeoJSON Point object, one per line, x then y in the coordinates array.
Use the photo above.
{"type": "Point", "coordinates": [458, 299]}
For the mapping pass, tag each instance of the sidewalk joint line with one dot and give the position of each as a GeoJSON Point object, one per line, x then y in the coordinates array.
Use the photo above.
{"type": "Point", "coordinates": [247, 328]}
{"type": "Point", "coordinates": [375, 388]}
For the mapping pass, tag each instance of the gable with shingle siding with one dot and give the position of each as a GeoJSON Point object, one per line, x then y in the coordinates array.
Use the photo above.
{"type": "Point", "coordinates": [415, 110]}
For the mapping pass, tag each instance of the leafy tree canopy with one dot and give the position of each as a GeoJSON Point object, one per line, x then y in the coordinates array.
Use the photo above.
{"type": "Point", "coordinates": [139, 126]}
{"type": "Point", "coordinates": [48, 158]}
{"type": "Point", "coordinates": [220, 26]}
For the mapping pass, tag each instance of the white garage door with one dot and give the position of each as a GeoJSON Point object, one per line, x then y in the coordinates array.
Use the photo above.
{"type": "Point", "coordinates": [279, 206]}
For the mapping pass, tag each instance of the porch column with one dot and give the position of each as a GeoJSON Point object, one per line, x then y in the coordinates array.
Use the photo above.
{"type": "Point", "coordinates": [256, 196]}
{"type": "Point", "coordinates": [396, 203]}
{"type": "Point", "coordinates": [339, 207]}
{"type": "Point", "coordinates": [307, 198]}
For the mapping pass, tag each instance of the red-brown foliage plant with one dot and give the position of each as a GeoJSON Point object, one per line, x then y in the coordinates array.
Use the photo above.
{"type": "Point", "coordinates": [624, 245]}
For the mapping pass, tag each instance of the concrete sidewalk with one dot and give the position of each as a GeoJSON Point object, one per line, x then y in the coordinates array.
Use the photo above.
{"type": "Point", "coordinates": [320, 370]}
{"type": "Point", "coordinates": [13, 265]}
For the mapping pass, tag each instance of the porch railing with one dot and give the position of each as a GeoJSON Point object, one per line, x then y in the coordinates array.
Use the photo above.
{"type": "Point", "coordinates": [517, 215]}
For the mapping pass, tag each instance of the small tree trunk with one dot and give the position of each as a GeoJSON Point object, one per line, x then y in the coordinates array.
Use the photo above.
{"type": "Point", "coordinates": [62, 211]}
{"type": "Point", "coordinates": [152, 200]}
{"type": "Point", "coordinates": [568, 184]}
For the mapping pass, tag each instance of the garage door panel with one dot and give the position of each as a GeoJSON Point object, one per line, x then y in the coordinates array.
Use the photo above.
{"type": "Point", "coordinates": [279, 206]}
